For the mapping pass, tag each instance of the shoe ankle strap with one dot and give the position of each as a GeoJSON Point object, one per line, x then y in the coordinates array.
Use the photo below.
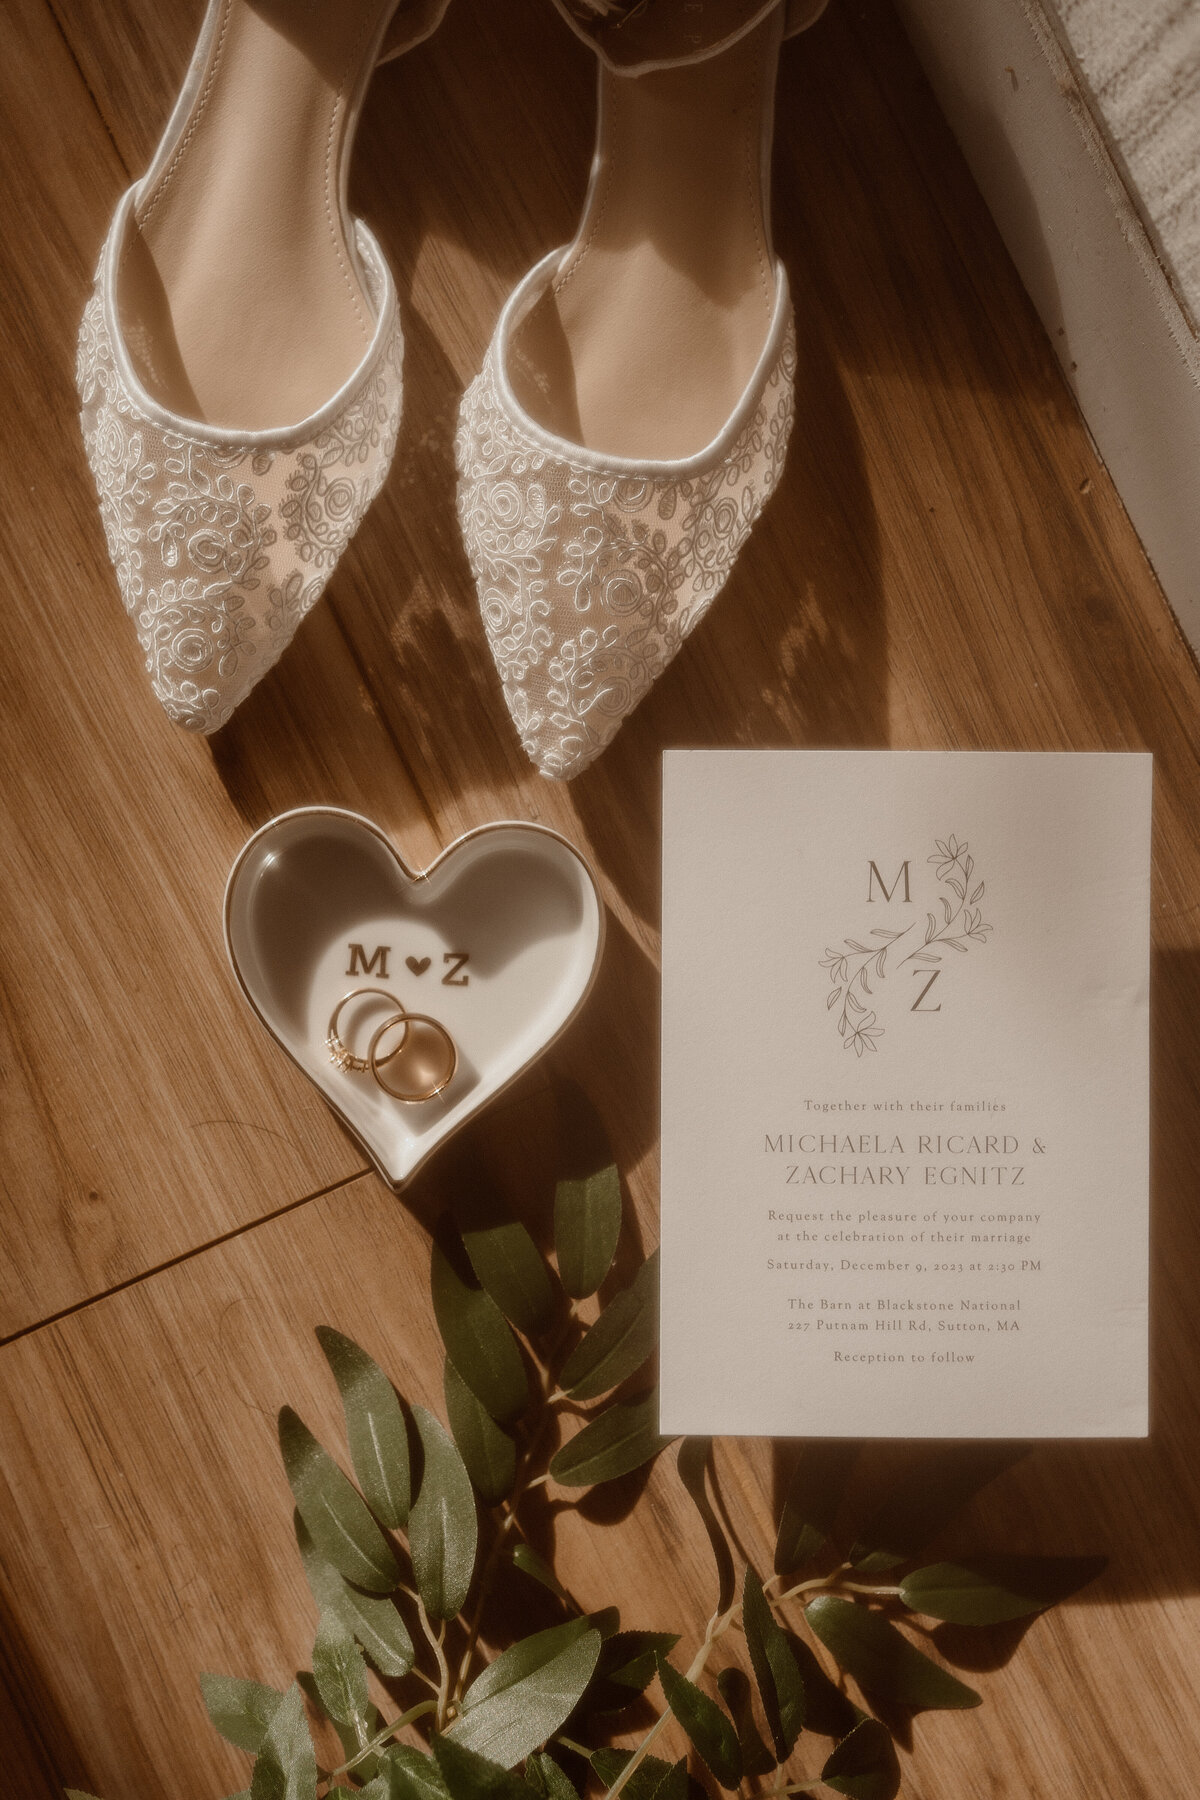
{"type": "Point", "coordinates": [633, 37]}
{"type": "Point", "coordinates": [411, 23]}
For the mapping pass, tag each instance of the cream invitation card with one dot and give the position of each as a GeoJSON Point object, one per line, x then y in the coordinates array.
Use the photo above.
{"type": "Point", "coordinates": [905, 1093]}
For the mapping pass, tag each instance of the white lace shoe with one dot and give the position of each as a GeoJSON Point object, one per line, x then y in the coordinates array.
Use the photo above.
{"type": "Point", "coordinates": [632, 414]}
{"type": "Point", "coordinates": [240, 357]}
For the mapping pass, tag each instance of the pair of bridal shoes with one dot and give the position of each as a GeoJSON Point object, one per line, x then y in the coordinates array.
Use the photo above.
{"type": "Point", "coordinates": [240, 363]}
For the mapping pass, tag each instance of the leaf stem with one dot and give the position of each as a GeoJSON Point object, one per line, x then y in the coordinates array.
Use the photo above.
{"type": "Point", "coordinates": [381, 1737]}
{"type": "Point", "coordinates": [639, 1754]}
{"type": "Point", "coordinates": [833, 1579]}
{"type": "Point", "coordinates": [436, 1640]}
{"type": "Point", "coordinates": [805, 1587]}
{"type": "Point", "coordinates": [485, 1588]}
{"type": "Point", "coordinates": [717, 1626]}
{"type": "Point", "coordinates": [836, 1583]}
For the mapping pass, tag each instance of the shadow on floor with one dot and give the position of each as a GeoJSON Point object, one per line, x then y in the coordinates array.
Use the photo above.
{"type": "Point", "coordinates": [1077, 1498]}
{"type": "Point", "coordinates": [40, 1753]}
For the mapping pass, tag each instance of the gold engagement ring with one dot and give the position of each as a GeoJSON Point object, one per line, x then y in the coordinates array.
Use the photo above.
{"type": "Point", "coordinates": [419, 1065]}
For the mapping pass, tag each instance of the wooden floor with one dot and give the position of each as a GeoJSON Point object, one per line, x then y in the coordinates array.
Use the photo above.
{"type": "Point", "coordinates": [947, 565]}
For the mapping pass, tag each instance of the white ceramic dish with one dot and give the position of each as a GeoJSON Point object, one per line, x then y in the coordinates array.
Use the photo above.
{"type": "Point", "coordinates": [499, 940]}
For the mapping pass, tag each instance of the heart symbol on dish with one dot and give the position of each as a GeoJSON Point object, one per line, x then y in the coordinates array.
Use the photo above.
{"type": "Point", "coordinates": [503, 932]}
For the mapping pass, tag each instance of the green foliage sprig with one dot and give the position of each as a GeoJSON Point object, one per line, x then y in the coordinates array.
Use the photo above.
{"type": "Point", "coordinates": [403, 1564]}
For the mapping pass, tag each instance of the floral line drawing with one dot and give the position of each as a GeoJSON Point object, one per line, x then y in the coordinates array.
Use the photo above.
{"type": "Point", "coordinates": [851, 967]}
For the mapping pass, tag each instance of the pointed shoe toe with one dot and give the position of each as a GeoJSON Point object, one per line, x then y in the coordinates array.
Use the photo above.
{"type": "Point", "coordinates": [592, 570]}
{"type": "Point", "coordinates": [240, 357]}
{"type": "Point", "coordinates": [632, 415]}
{"type": "Point", "coordinates": [221, 543]}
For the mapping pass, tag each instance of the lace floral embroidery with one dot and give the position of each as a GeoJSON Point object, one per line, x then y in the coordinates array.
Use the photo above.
{"type": "Point", "coordinates": [589, 581]}
{"type": "Point", "coordinates": [221, 550]}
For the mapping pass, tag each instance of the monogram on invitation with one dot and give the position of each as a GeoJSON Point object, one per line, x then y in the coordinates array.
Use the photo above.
{"type": "Point", "coordinates": [905, 1093]}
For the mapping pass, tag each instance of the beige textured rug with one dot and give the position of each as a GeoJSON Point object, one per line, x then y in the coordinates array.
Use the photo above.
{"type": "Point", "coordinates": [1139, 63]}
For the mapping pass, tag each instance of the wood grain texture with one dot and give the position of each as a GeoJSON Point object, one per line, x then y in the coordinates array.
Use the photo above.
{"type": "Point", "coordinates": [143, 1113]}
{"type": "Point", "coordinates": [946, 565]}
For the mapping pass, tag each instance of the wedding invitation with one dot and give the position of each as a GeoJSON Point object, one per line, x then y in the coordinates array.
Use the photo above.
{"type": "Point", "coordinates": [905, 1093]}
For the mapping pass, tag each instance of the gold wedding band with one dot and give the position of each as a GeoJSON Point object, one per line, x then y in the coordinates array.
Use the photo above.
{"type": "Point", "coordinates": [430, 1058]}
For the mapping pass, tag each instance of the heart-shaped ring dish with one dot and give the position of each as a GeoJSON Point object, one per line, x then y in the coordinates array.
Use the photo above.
{"type": "Point", "coordinates": [498, 941]}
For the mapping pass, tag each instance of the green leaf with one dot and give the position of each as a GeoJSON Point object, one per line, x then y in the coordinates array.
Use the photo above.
{"type": "Point", "coordinates": [524, 1658]}
{"type": "Point", "coordinates": [988, 1590]}
{"type": "Point", "coordinates": [341, 1527]}
{"type": "Point", "coordinates": [780, 1684]}
{"type": "Point", "coordinates": [648, 1779]}
{"type": "Point", "coordinates": [504, 1257]}
{"type": "Point", "coordinates": [443, 1530]}
{"type": "Point", "coordinates": [884, 1664]}
{"type": "Point", "coordinates": [607, 1621]}
{"type": "Point", "coordinates": [556, 1784]}
{"type": "Point", "coordinates": [692, 1463]}
{"type": "Point", "coordinates": [813, 1497]}
{"type": "Point", "coordinates": [619, 1342]}
{"type": "Point", "coordinates": [375, 1427]}
{"type": "Point", "coordinates": [587, 1200]}
{"type": "Point", "coordinates": [622, 1438]}
{"type": "Point", "coordinates": [287, 1766]}
{"type": "Point", "coordinates": [348, 1735]}
{"type": "Point", "coordinates": [477, 1338]}
{"type": "Point", "coordinates": [510, 1710]}
{"type": "Point", "coordinates": [340, 1672]}
{"type": "Point", "coordinates": [376, 1623]}
{"type": "Point", "coordinates": [827, 1710]}
{"type": "Point", "coordinates": [709, 1730]}
{"type": "Point", "coordinates": [587, 1223]}
{"type": "Point", "coordinates": [864, 1764]}
{"type": "Point", "coordinates": [469, 1776]}
{"type": "Point", "coordinates": [675, 1784]}
{"type": "Point", "coordinates": [240, 1710]}
{"type": "Point", "coordinates": [411, 1774]}
{"type": "Point", "coordinates": [628, 1664]}
{"type": "Point", "coordinates": [642, 1784]}
{"type": "Point", "coordinates": [489, 1453]}
{"type": "Point", "coordinates": [526, 1558]}
{"type": "Point", "coordinates": [935, 1488]}
{"type": "Point", "coordinates": [734, 1688]}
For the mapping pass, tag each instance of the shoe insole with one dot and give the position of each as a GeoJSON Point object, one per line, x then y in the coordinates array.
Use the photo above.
{"type": "Point", "coordinates": [241, 299]}
{"type": "Point", "coordinates": [646, 338]}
